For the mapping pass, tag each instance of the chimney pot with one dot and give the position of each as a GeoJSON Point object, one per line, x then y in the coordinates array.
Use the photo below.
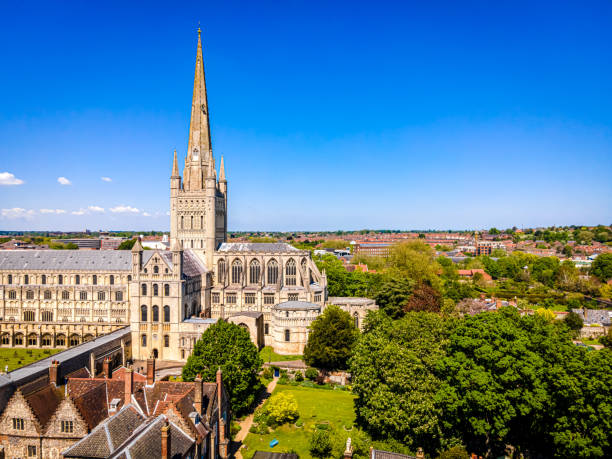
{"type": "Point", "coordinates": [129, 385]}
{"type": "Point", "coordinates": [166, 446]}
{"type": "Point", "coordinates": [54, 373]}
{"type": "Point", "coordinates": [198, 394]}
{"type": "Point", "coordinates": [150, 372]}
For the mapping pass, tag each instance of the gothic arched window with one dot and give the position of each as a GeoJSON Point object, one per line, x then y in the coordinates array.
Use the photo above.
{"type": "Point", "coordinates": [95, 279]}
{"type": "Point", "coordinates": [254, 272]}
{"type": "Point", "coordinates": [143, 340]}
{"type": "Point", "coordinates": [272, 272]}
{"type": "Point", "coordinates": [43, 279]}
{"type": "Point", "coordinates": [143, 313]}
{"type": "Point", "coordinates": [155, 313]}
{"type": "Point", "coordinates": [236, 272]}
{"type": "Point", "coordinates": [112, 279]}
{"type": "Point", "coordinates": [155, 269]}
{"type": "Point", "coordinates": [60, 279]}
{"type": "Point", "coordinates": [166, 289]}
{"type": "Point", "coordinates": [166, 313]}
{"type": "Point", "coordinates": [155, 290]}
{"type": "Point", "coordinates": [221, 271]}
{"type": "Point", "coordinates": [290, 272]}
{"type": "Point", "coordinates": [143, 289]}
{"type": "Point", "coordinates": [77, 279]}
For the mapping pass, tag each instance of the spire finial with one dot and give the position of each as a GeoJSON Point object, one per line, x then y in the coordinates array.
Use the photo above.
{"type": "Point", "coordinates": [175, 171]}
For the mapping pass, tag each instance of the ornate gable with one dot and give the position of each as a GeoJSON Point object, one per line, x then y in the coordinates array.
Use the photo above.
{"type": "Point", "coordinates": [18, 418]}
{"type": "Point", "coordinates": [67, 421]}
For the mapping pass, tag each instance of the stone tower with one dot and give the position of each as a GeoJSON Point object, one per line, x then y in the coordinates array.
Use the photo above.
{"type": "Point", "coordinates": [198, 200]}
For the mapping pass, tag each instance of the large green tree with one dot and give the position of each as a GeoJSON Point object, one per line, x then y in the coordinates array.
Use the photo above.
{"type": "Point", "coordinates": [332, 337]}
{"type": "Point", "coordinates": [229, 347]}
{"type": "Point", "coordinates": [393, 295]}
{"type": "Point", "coordinates": [394, 380]}
{"type": "Point", "coordinates": [602, 267]}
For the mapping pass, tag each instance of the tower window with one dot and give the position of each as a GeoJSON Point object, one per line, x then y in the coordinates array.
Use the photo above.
{"type": "Point", "coordinates": [166, 313]}
{"type": "Point", "coordinates": [272, 272]}
{"type": "Point", "coordinates": [143, 313]}
{"type": "Point", "coordinates": [254, 272]}
{"type": "Point", "coordinates": [166, 289]}
{"type": "Point", "coordinates": [143, 289]}
{"type": "Point", "coordinates": [287, 335]}
{"type": "Point", "coordinates": [236, 272]}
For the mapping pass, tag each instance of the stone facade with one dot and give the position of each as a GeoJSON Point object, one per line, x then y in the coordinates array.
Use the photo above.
{"type": "Point", "coordinates": [291, 322]}
{"type": "Point", "coordinates": [58, 299]}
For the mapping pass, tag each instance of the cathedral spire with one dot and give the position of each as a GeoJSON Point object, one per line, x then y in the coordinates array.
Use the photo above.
{"type": "Point", "coordinates": [175, 171]}
{"type": "Point", "coordinates": [222, 170]}
{"type": "Point", "coordinates": [200, 147]}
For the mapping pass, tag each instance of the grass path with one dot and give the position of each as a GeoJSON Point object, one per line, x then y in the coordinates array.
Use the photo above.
{"type": "Point", "coordinates": [18, 357]}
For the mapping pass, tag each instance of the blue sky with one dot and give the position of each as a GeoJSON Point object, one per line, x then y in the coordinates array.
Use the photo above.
{"type": "Point", "coordinates": [330, 115]}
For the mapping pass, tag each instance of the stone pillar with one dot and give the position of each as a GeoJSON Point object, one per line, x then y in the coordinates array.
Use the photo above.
{"type": "Point", "coordinates": [106, 368]}
{"type": "Point", "coordinates": [92, 364]}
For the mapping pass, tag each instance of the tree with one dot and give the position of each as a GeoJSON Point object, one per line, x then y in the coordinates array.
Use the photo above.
{"type": "Point", "coordinates": [568, 251]}
{"type": "Point", "coordinates": [415, 260]}
{"type": "Point", "coordinates": [573, 321]}
{"type": "Point", "coordinates": [320, 444]}
{"type": "Point", "coordinates": [332, 337]}
{"type": "Point", "coordinates": [393, 370]}
{"type": "Point", "coordinates": [127, 244]}
{"type": "Point", "coordinates": [393, 295]}
{"type": "Point", "coordinates": [424, 298]}
{"type": "Point", "coordinates": [229, 347]}
{"type": "Point", "coordinates": [494, 231]}
{"type": "Point", "coordinates": [602, 267]}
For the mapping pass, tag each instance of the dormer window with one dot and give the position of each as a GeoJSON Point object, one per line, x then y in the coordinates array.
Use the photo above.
{"type": "Point", "coordinates": [114, 404]}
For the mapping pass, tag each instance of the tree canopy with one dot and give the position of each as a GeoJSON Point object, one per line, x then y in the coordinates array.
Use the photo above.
{"type": "Point", "coordinates": [602, 267]}
{"type": "Point", "coordinates": [485, 381]}
{"type": "Point", "coordinates": [229, 347]}
{"type": "Point", "coordinates": [332, 337]}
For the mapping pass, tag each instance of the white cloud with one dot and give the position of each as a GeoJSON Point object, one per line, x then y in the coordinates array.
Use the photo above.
{"type": "Point", "coordinates": [168, 213]}
{"type": "Point", "coordinates": [124, 209]}
{"type": "Point", "coordinates": [16, 212]}
{"type": "Point", "coordinates": [7, 179]}
{"type": "Point", "coordinates": [95, 209]}
{"type": "Point", "coordinates": [106, 179]}
{"type": "Point", "coordinates": [63, 181]}
{"type": "Point", "coordinates": [78, 212]}
{"type": "Point", "coordinates": [146, 214]}
{"type": "Point", "coordinates": [52, 211]}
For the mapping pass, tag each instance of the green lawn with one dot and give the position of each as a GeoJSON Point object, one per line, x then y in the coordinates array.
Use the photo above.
{"type": "Point", "coordinates": [16, 358]}
{"type": "Point", "coordinates": [316, 406]}
{"type": "Point", "coordinates": [268, 355]}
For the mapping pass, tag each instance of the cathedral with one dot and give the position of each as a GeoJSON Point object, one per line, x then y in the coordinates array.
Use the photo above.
{"type": "Point", "coordinates": [58, 299]}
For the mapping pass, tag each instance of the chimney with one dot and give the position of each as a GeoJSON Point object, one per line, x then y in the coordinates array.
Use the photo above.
{"type": "Point", "coordinates": [198, 394]}
{"type": "Point", "coordinates": [420, 454]}
{"type": "Point", "coordinates": [166, 447]}
{"type": "Point", "coordinates": [223, 442]}
{"type": "Point", "coordinates": [54, 373]}
{"type": "Point", "coordinates": [106, 368]}
{"type": "Point", "coordinates": [129, 385]}
{"type": "Point", "coordinates": [150, 371]}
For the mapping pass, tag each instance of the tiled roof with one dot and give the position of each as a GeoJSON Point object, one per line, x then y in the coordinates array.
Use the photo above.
{"type": "Point", "coordinates": [257, 247]}
{"type": "Point", "coordinates": [192, 266]}
{"type": "Point", "coordinates": [253, 314]}
{"type": "Point", "coordinates": [108, 436]}
{"type": "Point", "coordinates": [146, 442]}
{"type": "Point", "coordinates": [43, 398]}
{"type": "Point", "coordinates": [270, 455]}
{"type": "Point", "coordinates": [296, 306]}
{"type": "Point", "coordinates": [378, 454]}
{"type": "Point", "coordinates": [69, 260]}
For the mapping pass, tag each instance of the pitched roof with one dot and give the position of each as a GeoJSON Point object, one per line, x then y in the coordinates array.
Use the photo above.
{"type": "Point", "coordinates": [145, 442]}
{"type": "Point", "coordinates": [378, 454]}
{"type": "Point", "coordinates": [257, 247]}
{"type": "Point", "coordinates": [296, 306]}
{"type": "Point", "coordinates": [69, 260]}
{"type": "Point", "coordinates": [108, 435]}
{"type": "Point", "coordinates": [43, 398]}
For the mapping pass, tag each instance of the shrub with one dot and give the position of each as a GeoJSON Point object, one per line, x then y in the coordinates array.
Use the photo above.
{"type": "Point", "coordinates": [456, 452]}
{"type": "Point", "coordinates": [284, 379]}
{"type": "Point", "coordinates": [320, 445]}
{"type": "Point", "coordinates": [234, 429]}
{"type": "Point", "coordinates": [299, 377]}
{"type": "Point", "coordinates": [268, 373]}
{"type": "Point", "coordinates": [312, 373]}
{"type": "Point", "coordinates": [281, 408]}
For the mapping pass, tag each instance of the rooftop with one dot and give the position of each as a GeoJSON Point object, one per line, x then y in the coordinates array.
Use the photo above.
{"type": "Point", "coordinates": [297, 306]}
{"type": "Point", "coordinates": [257, 247]}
